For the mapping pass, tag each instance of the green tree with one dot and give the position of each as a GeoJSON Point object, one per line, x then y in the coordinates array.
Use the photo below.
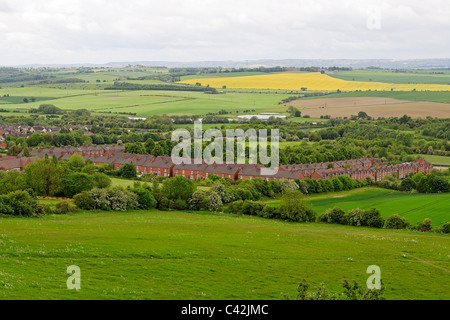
{"type": "Point", "coordinates": [76, 162]}
{"type": "Point", "coordinates": [128, 170]}
{"type": "Point", "coordinates": [149, 145]}
{"type": "Point", "coordinates": [44, 176]}
{"type": "Point", "coordinates": [75, 183]}
{"type": "Point", "coordinates": [178, 188]}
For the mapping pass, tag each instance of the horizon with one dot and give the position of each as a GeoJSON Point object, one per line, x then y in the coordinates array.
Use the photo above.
{"type": "Point", "coordinates": [52, 33]}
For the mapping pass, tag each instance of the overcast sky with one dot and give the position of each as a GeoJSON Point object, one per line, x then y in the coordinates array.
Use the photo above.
{"type": "Point", "coordinates": [100, 31]}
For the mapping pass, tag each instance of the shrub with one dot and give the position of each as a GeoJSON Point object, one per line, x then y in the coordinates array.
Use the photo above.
{"type": "Point", "coordinates": [84, 201]}
{"type": "Point", "coordinates": [396, 222]}
{"type": "Point", "coordinates": [270, 212]}
{"type": "Point", "coordinates": [353, 217]}
{"type": "Point", "coordinates": [295, 208]}
{"type": "Point", "coordinates": [20, 203]}
{"type": "Point", "coordinates": [235, 207]}
{"type": "Point", "coordinates": [334, 215]}
{"type": "Point", "coordinates": [198, 200]}
{"type": "Point", "coordinates": [101, 180]}
{"type": "Point", "coordinates": [178, 204]}
{"type": "Point", "coordinates": [64, 207]}
{"type": "Point", "coordinates": [425, 226]}
{"type": "Point", "coordinates": [372, 218]}
{"type": "Point", "coordinates": [144, 198]}
{"type": "Point", "coordinates": [446, 227]}
{"type": "Point", "coordinates": [214, 201]}
{"type": "Point", "coordinates": [113, 199]}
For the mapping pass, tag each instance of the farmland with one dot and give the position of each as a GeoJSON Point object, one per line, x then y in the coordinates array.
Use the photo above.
{"type": "Point", "coordinates": [391, 77]}
{"type": "Point", "coordinates": [310, 81]}
{"type": "Point", "coordinates": [373, 106]}
{"type": "Point", "coordinates": [182, 255]}
{"type": "Point", "coordinates": [414, 207]}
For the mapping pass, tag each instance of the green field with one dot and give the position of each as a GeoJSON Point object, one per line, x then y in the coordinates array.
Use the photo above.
{"type": "Point", "coordinates": [413, 206]}
{"type": "Point", "coordinates": [435, 159]}
{"type": "Point", "coordinates": [391, 77]}
{"type": "Point", "coordinates": [143, 103]}
{"type": "Point", "coordinates": [178, 255]}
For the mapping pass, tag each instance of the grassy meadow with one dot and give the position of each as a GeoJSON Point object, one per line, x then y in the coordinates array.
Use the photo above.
{"type": "Point", "coordinates": [182, 255]}
{"type": "Point", "coordinates": [413, 206]}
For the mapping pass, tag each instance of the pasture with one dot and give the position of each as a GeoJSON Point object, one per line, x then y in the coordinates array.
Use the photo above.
{"type": "Point", "coordinates": [311, 81]}
{"type": "Point", "coordinates": [182, 255]}
{"type": "Point", "coordinates": [413, 206]}
{"type": "Point", "coordinates": [373, 106]}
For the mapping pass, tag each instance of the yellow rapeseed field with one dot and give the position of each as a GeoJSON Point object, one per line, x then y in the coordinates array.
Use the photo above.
{"type": "Point", "coordinates": [312, 81]}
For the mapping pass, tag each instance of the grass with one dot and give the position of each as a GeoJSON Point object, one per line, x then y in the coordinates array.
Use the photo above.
{"type": "Point", "coordinates": [435, 159]}
{"type": "Point", "coordinates": [181, 255]}
{"type": "Point", "coordinates": [413, 206]}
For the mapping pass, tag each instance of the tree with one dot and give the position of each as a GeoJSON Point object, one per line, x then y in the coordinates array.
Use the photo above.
{"type": "Point", "coordinates": [149, 145]}
{"type": "Point", "coordinates": [128, 170]}
{"type": "Point", "coordinates": [14, 150]}
{"type": "Point", "coordinates": [76, 162]}
{"type": "Point", "coordinates": [135, 148]}
{"type": "Point", "coordinates": [75, 183]}
{"type": "Point", "coordinates": [44, 176]}
{"type": "Point", "coordinates": [145, 198]}
{"type": "Point", "coordinates": [405, 138]}
{"type": "Point", "coordinates": [178, 188]}
{"type": "Point", "coordinates": [35, 139]}
{"type": "Point", "coordinates": [295, 208]}
{"type": "Point", "coordinates": [408, 184]}
{"type": "Point", "coordinates": [101, 180]}
{"type": "Point", "coordinates": [158, 150]}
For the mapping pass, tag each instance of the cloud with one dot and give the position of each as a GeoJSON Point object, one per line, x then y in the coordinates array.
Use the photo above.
{"type": "Point", "coordinates": [100, 31]}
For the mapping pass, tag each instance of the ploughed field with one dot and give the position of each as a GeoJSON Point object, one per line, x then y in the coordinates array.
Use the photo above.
{"type": "Point", "coordinates": [373, 106]}
{"type": "Point", "coordinates": [183, 255]}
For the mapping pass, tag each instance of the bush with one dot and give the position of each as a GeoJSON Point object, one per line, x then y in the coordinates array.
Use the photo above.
{"type": "Point", "coordinates": [353, 217]}
{"type": "Point", "coordinates": [101, 180]}
{"type": "Point", "coordinates": [198, 200]}
{"type": "Point", "coordinates": [396, 222]}
{"type": "Point", "coordinates": [64, 207]}
{"type": "Point", "coordinates": [425, 226]}
{"type": "Point", "coordinates": [144, 198]}
{"type": "Point", "coordinates": [372, 218]}
{"type": "Point", "coordinates": [214, 201]}
{"type": "Point", "coordinates": [446, 227]}
{"type": "Point", "coordinates": [235, 207]}
{"type": "Point", "coordinates": [270, 212]}
{"type": "Point", "coordinates": [84, 201]}
{"type": "Point", "coordinates": [334, 215]}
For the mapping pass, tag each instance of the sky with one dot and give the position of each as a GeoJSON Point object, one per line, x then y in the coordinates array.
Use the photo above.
{"type": "Point", "coordinates": [101, 31]}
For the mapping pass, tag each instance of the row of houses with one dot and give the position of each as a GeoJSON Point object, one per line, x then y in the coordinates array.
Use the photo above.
{"type": "Point", "coordinates": [26, 131]}
{"type": "Point", "coordinates": [357, 169]}
{"type": "Point", "coordinates": [15, 162]}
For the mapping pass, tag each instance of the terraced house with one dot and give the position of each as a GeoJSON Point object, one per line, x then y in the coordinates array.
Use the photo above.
{"type": "Point", "coordinates": [357, 169]}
